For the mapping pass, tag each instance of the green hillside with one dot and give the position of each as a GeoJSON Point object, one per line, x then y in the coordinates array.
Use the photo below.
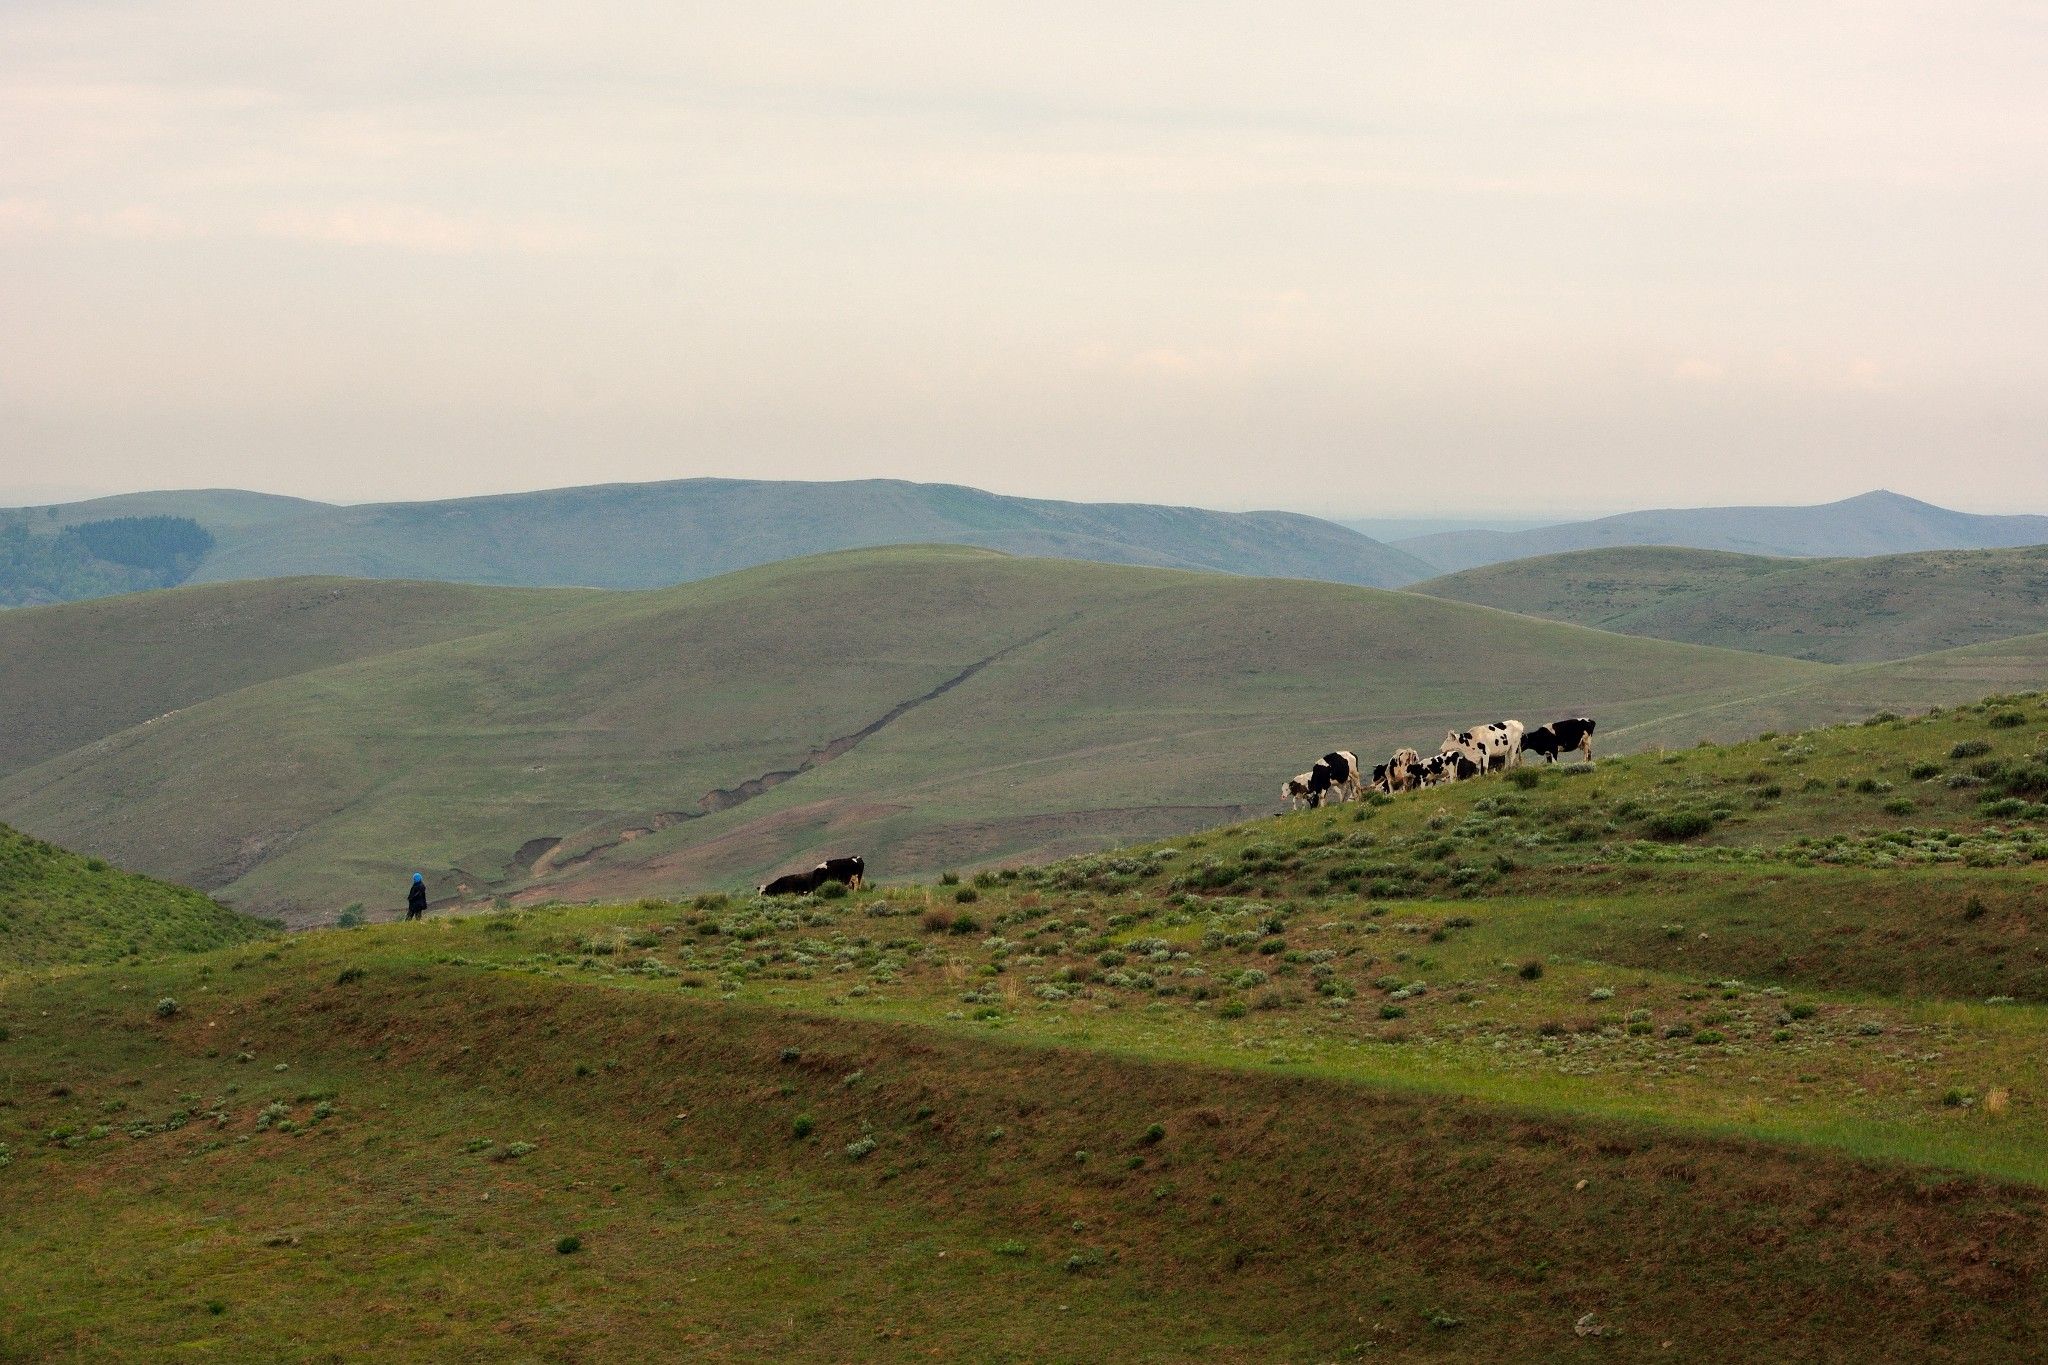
{"type": "Point", "coordinates": [73, 674]}
{"type": "Point", "coordinates": [1875, 523]}
{"type": "Point", "coordinates": [940, 707]}
{"type": "Point", "coordinates": [60, 907]}
{"type": "Point", "coordinates": [1837, 610]}
{"type": "Point", "coordinates": [1735, 1048]}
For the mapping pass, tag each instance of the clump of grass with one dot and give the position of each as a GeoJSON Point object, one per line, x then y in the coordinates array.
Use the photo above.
{"type": "Point", "coordinates": [166, 1007]}
{"type": "Point", "coordinates": [803, 1126]}
{"type": "Point", "coordinates": [935, 921]}
{"type": "Point", "coordinates": [1532, 970]}
{"type": "Point", "coordinates": [349, 974]}
{"type": "Point", "coordinates": [966, 895]}
{"type": "Point", "coordinates": [568, 1246]}
{"type": "Point", "coordinates": [860, 1147]}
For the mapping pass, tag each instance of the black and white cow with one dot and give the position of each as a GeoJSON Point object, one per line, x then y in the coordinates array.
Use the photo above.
{"type": "Point", "coordinates": [1294, 791]}
{"type": "Point", "coordinates": [1561, 737]}
{"type": "Point", "coordinates": [1335, 772]}
{"type": "Point", "coordinates": [1500, 742]}
{"type": "Point", "coordinates": [1380, 781]}
{"type": "Point", "coordinates": [1401, 770]}
{"type": "Point", "coordinates": [848, 872]}
{"type": "Point", "coordinates": [792, 884]}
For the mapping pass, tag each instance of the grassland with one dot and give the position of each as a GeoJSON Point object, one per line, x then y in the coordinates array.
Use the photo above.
{"type": "Point", "coordinates": [57, 907]}
{"type": "Point", "coordinates": [1833, 610]}
{"type": "Point", "coordinates": [1033, 708]}
{"type": "Point", "coordinates": [299, 747]}
{"type": "Point", "coordinates": [1735, 1048]}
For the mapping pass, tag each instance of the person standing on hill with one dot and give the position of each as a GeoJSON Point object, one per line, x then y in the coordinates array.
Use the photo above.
{"type": "Point", "coordinates": [416, 899]}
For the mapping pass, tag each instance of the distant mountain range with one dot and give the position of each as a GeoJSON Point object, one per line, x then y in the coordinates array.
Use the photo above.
{"type": "Point", "coordinates": [1877, 523]}
{"type": "Point", "coordinates": [660, 534]}
{"type": "Point", "coordinates": [650, 535]}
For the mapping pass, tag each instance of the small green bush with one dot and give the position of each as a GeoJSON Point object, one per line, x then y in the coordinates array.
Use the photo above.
{"type": "Point", "coordinates": [2007, 720]}
{"type": "Point", "coordinates": [966, 895]}
{"type": "Point", "coordinates": [803, 1126]}
{"type": "Point", "coordinates": [166, 1007]}
{"type": "Point", "coordinates": [569, 1246]}
{"type": "Point", "coordinates": [1707, 1037]}
{"type": "Point", "coordinates": [1970, 748]}
{"type": "Point", "coordinates": [1532, 970]}
{"type": "Point", "coordinates": [1393, 1011]}
{"type": "Point", "coordinates": [1803, 1011]}
{"type": "Point", "coordinates": [1678, 824]}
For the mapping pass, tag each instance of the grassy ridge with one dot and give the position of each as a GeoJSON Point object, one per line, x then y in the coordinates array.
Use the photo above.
{"type": "Point", "coordinates": [1838, 611]}
{"type": "Point", "coordinates": [58, 907]}
{"type": "Point", "coordinates": [1514, 1069]}
{"type": "Point", "coordinates": [1085, 703]}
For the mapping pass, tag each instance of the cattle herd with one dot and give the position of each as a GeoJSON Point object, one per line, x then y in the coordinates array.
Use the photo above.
{"type": "Point", "coordinates": [1337, 776]}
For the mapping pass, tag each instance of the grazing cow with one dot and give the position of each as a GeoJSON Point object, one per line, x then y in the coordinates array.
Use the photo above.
{"type": "Point", "coordinates": [1541, 741]}
{"type": "Point", "coordinates": [1336, 771]}
{"type": "Point", "coordinates": [1499, 743]}
{"type": "Point", "coordinates": [848, 872]}
{"type": "Point", "coordinates": [1401, 770]}
{"type": "Point", "coordinates": [793, 884]}
{"type": "Point", "coordinates": [1576, 733]}
{"type": "Point", "coordinates": [1380, 781]}
{"type": "Point", "coordinates": [1294, 791]}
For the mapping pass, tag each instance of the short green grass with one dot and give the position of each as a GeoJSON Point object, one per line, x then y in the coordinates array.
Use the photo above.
{"type": "Point", "coordinates": [59, 907]}
{"type": "Point", "coordinates": [1235, 1096]}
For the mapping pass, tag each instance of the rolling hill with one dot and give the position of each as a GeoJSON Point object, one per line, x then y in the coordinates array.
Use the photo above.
{"type": "Point", "coordinates": [58, 907]}
{"type": "Point", "coordinates": [930, 707]}
{"type": "Point", "coordinates": [1836, 610]}
{"type": "Point", "coordinates": [1876, 523]}
{"type": "Point", "coordinates": [75, 673]}
{"type": "Point", "coordinates": [659, 534]}
{"type": "Point", "coordinates": [1633, 1061]}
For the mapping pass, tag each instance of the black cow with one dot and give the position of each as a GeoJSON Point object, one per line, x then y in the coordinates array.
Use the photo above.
{"type": "Point", "coordinates": [1381, 782]}
{"type": "Point", "coordinates": [849, 872]}
{"type": "Point", "coordinates": [1336, 771]}
{"type": "Point", "coordinates": [794, 883]}
{"type": "Point", "coordinates": [1561, 737]}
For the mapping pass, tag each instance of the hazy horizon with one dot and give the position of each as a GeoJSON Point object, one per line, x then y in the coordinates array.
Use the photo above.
{"type": "Point", "coordinates": [1406, 264]}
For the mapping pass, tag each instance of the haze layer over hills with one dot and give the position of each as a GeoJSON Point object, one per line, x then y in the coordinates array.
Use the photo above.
{"type": "Point", "coordinates": [1873, 523]}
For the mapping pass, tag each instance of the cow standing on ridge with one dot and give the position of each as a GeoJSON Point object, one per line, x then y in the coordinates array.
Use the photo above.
{"type": "Point", "coordinates": [1336, 771]}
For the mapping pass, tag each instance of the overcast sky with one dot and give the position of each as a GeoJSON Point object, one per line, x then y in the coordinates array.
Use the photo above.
{"type": "Point", "coordinates": [1424, 257]}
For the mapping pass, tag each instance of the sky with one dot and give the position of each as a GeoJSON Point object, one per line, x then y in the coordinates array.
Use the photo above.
{"type": "Point", "coordinates": [1434, 258]}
